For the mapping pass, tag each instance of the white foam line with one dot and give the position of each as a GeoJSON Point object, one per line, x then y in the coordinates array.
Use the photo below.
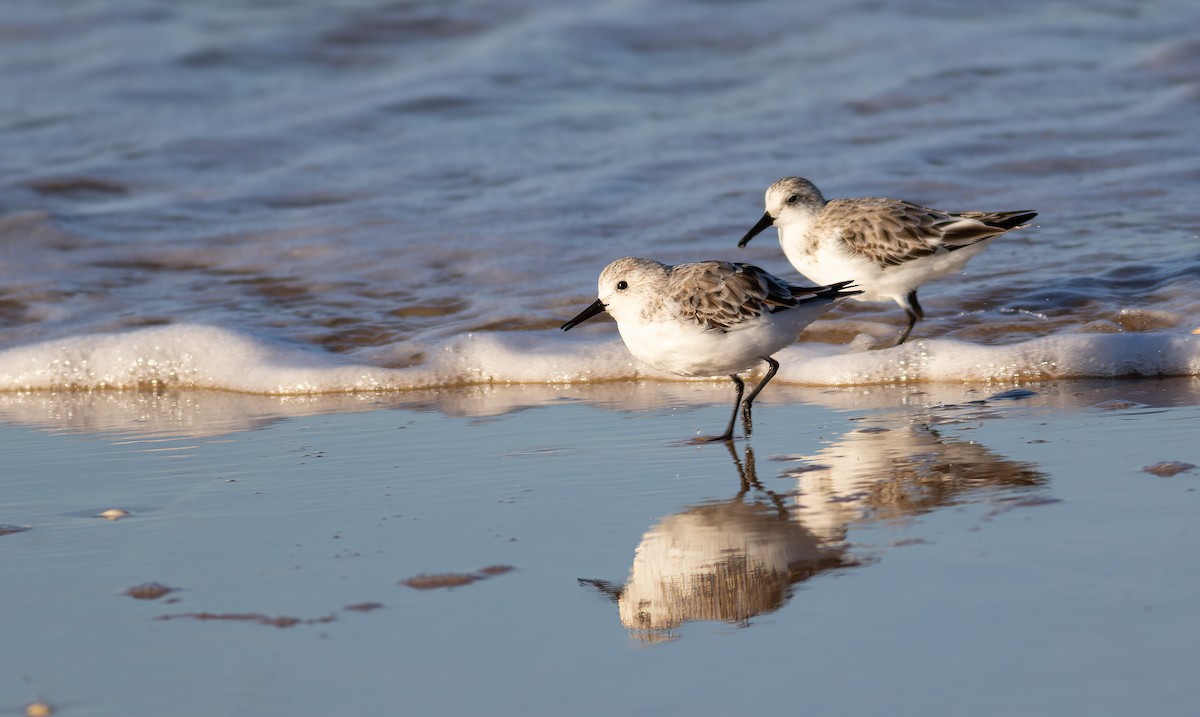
{"type": "Point", "coordinates": [206, 357]}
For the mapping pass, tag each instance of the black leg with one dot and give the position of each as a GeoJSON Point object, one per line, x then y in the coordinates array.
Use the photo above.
{"type": "Point", "coordinates": [728, 434]}
{"type": "Point", "coordinates": [915, 313]}
{"type": "Point", "coordinates": [746, 420]}
{"type": "Point", "coordinates": [758, 389]}
{"type": "Point", "coordinates": [916, 305]}
{"type": "Point", "coordinates": [912, 321]}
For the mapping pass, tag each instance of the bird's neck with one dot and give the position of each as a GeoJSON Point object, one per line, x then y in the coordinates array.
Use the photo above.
{"type": "Point", "coordinates": [795, 235]}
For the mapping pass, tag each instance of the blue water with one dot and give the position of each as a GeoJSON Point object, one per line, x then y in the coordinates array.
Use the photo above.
{"type": "Point", "coordinates": [381, 184]}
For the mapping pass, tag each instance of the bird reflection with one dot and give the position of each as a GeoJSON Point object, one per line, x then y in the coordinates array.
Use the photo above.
{"type": "Point", "coordinates": [883, 473]}
{"type": "Point", "coordinates": [732, 560]}
{"type": "Point", "coordinates": [725, 560]}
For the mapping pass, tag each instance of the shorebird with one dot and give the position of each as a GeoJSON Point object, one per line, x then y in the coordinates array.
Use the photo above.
{"type": "Point", "coordinates": [888, 247]}
{"type": "Point", "coordinates": [708, 318]}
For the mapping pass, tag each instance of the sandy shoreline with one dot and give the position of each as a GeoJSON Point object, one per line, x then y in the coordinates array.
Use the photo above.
{"type": "Point", "coordinates": [869, 536]}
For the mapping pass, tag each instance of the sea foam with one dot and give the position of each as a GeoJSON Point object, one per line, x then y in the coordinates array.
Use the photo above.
{"type": "Point", "coordinates": [196, 356]}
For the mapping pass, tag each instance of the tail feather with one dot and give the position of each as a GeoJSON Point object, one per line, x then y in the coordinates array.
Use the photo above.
{"type": "Point", "coordinates": [833, 291]}
{"type": "Point", "coordinates": [1001, 220]}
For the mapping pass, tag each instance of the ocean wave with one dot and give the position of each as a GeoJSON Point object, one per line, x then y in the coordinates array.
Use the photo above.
{"type": "Point", "coordinates": [208, 357]}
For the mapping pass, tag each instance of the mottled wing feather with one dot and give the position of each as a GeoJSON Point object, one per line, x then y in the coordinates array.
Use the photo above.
{"type": "Point", "coordinates": [967, 228]}
{"type": "Point", "coordinates": [890, 232]}
{"type": "Point", "coordinates": [719, 294]}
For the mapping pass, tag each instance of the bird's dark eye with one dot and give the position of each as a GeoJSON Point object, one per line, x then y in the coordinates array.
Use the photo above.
{"type": "Point", "coordinates": [793, 199]}
{"type": "Point", "coordinates": [622, 285]}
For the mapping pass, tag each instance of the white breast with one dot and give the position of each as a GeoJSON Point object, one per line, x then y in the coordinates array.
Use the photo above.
{"type": "Point", "coordinates": [686, 349]}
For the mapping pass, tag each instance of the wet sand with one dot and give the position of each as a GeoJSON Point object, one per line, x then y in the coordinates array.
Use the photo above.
{"type": "Point", "coordinates": [533, 550]}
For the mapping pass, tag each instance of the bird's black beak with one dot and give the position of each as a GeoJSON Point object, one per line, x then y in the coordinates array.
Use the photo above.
{"type": "Point", "coordinates": [766, 221]}
{"type": "Point", "coordinates": [589, 312]}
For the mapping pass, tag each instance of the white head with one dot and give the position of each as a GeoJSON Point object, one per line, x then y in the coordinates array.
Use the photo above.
{"type": "Point", "coordinates": [791, 200]}
{"type": "Point", "coordinates": [627, 287]}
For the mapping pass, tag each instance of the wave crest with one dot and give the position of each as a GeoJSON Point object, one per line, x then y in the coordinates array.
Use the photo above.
{"type": "Point", "coordinates": [193, 356]}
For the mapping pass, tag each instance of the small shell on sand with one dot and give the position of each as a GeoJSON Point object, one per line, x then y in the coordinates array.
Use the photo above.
{"type": "Point", "coordinates": [38, 709]}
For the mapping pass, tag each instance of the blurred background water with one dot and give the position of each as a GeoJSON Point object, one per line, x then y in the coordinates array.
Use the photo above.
{"type": "Point", "coordinates": [380, 184]}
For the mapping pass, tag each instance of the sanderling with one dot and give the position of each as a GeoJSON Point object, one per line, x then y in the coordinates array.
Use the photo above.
{"type": "Point", "coordinates": [887, 246]}
{"type": "Point", "coordinates": [708, 318]}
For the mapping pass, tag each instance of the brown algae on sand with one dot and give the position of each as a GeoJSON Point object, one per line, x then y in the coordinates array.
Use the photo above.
{"type": "Point", "coordinates": [1166, 469]}
{"type": "Point", "coordinates": [149, 591]}
{"type": "Point", "coordinates": [281, 621]}
{"type": "Point", "coordinates": [428, 581]}
{"type": "Point", "coordinates": [445, 580]}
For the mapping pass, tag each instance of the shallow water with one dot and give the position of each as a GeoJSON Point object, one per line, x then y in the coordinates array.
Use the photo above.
{"type": "Point", "coordinates": [1003, 553]}
{"type": "Point", "coordinates": [433, 187]}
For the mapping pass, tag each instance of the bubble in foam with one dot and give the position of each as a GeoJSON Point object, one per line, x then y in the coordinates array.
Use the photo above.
{"type": "Point", "coordinates": [191, 356]}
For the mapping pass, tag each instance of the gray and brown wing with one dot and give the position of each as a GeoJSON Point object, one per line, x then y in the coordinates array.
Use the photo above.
{"type": "Point", "coordinates": [890, 232]}
{"type": "Point", "coordinates": [719, 294]}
